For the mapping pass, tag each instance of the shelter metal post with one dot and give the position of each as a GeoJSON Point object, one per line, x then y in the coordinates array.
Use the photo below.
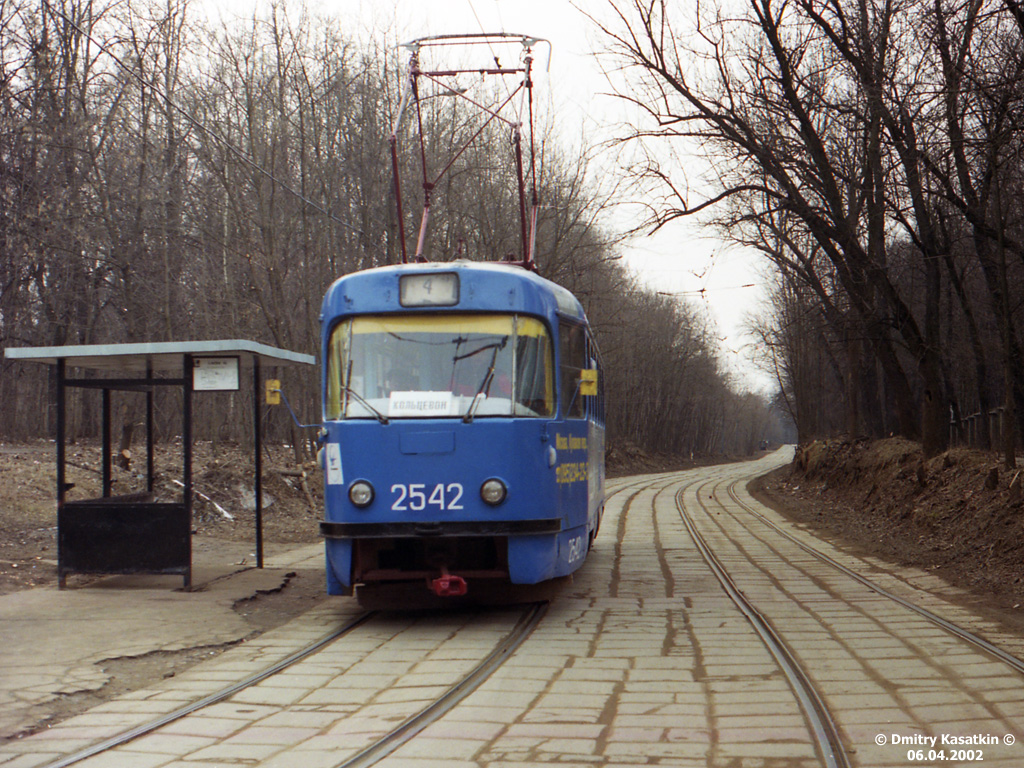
{"type": "Point", "coordinates": [106, 460]}
{"type": "Point", "coordinates": [186, 449]}
{"type": "Point", "coordinates": [61, 427]}
{"type": "Point", "coordinates": [150, 458]}
{"type": "Point", "coordinates": [257, 439]}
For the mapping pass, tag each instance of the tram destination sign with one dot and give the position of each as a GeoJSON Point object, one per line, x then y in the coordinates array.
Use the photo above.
{"type": "Point", "coordinates": [215, 374]}
{"type": "Point", "coordinates": [430, 289]}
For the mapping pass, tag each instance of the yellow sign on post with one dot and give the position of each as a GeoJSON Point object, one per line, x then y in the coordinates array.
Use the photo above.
{"type": "Point", "coordinates": [588, 381]}
{"type": "Point", "coordinates": [273, 391]}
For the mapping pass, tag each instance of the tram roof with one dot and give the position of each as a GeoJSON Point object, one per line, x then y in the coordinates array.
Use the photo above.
{"type": "Point", "coordinates": [159, 356]}
{"type": "Point", "coordinates": [489, 286]}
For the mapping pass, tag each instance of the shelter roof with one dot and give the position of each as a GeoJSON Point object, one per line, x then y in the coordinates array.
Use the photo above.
{"type": "Point", "coordinates": [160, 356]}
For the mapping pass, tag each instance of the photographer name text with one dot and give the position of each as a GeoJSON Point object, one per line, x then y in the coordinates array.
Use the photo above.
{"type": "Point", "coordinates": [944, 740]}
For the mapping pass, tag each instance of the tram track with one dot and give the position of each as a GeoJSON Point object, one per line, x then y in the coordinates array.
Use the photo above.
{"type": "Point", "coordinates": [954, 629]}
{"type": "Point", "coordinates": [823, 728]}
{"type": "Point", "coordinates": [388, 628]}
{"type": "Point", "coordinates": [950, 627]}
{"type": "Point", "coordinates": [634, 488]}
{"type": "Point", "coordinates": [224, 693]}
{"type": "Point", "coordinates": [770, 577]}
{"type": "Point", "coordinates": [413, 725]}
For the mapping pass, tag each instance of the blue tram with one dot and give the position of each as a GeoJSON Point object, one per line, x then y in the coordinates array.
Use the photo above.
{"type": "Point", "coordinates": [464, 414]}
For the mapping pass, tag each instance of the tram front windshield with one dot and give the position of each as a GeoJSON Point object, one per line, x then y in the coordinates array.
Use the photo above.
{"type": "Point", "coordinates": [439, 366]}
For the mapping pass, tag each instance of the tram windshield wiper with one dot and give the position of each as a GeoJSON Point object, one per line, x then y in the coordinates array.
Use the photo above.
{"type": "Point", "coordinates": [366, 404]}
{"type": "Point", "coordinates": [488, 376]}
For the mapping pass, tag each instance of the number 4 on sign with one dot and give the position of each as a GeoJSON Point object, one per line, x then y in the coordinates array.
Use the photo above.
{"type": "Point", "coordinates": [273, 392]}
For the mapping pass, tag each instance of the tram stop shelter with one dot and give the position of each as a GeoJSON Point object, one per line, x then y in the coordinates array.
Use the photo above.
{"type": "Point", "coordinates": [134, 533]}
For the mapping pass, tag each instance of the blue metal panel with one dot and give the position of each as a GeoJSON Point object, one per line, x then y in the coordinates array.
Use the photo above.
{"type": "Point", "coordinates": [339, 565]}
{"type": "Point", "coordinates": [427, 441]}
{"type": "Point", "coordinates": [596, 476]}
{"type": "Point", "coordinates": [513, 450]}
{"type": "Point", "coordinates": [532, 559]}
{"type": "Point", "coordinates": [483, 288]}
{"type": "Point", "coordinates": [572, 470]}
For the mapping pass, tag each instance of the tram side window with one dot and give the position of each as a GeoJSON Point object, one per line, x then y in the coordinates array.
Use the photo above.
{"type": "Point", "coordinates": [572, 341]}
{"type": "Point", "coordinates": [596, 404]}
{"type": "Point", "coordinates": [337, 358]}
{"type": "Point", "coordinates": [535, 385]}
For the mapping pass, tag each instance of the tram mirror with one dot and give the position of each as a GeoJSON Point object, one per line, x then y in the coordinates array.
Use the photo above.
{"type": "Point", "coordinates": [588, 381]}
{"type": "Point", "coordinates": [273, 391]}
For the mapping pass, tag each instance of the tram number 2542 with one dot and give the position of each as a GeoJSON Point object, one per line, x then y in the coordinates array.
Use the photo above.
{"type": "Point", "coordinates": [416, 497]}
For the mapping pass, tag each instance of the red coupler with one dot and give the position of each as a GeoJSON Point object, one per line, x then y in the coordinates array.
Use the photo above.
{"type": "Point", "coordinates": [448, 586]}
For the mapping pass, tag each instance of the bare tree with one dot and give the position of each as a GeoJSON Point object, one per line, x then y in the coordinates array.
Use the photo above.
{"type": "Point", "coordinates": [820, 122]}
{"type": "Point", "coordinates": [161, 180]}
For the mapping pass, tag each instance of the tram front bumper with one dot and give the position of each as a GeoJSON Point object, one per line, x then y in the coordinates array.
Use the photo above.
{"type": "Point", "coordinates": [529, 549]}
{"type": "Point", "coordinates": [407, 529]}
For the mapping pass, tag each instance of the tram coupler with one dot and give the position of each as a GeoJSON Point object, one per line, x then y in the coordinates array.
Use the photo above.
{"type": "Point", "coordinates": [448, 585]}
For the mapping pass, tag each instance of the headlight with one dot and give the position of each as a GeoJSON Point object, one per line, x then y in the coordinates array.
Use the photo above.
{"type": "Point", "coordinates": [360, 493]}
{"type": "Point", "coordinates": [493, 491]}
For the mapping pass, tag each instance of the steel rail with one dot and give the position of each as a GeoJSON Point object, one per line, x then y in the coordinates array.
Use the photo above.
{"type": "Point", "coordinates": [213, 698]}
{"type": "Point", "coordinates": [823, 727]}
{"type": "Point", "coordinates": [410, 727]}
{"type": "Point", "coordinates": [954, 629]}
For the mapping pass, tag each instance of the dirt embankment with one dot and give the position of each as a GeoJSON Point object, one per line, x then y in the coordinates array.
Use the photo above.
{"type": "Point", "coordinates": [960, 514]}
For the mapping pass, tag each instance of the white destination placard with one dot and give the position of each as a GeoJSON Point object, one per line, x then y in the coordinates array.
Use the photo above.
{"type": "Point", "coordinates": [422, 404]}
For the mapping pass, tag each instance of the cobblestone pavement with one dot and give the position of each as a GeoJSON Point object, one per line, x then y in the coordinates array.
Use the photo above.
{"type": "Point", "coordinates": [641, 660]}
{"type": "Point", "coordinates": [55, 643]}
